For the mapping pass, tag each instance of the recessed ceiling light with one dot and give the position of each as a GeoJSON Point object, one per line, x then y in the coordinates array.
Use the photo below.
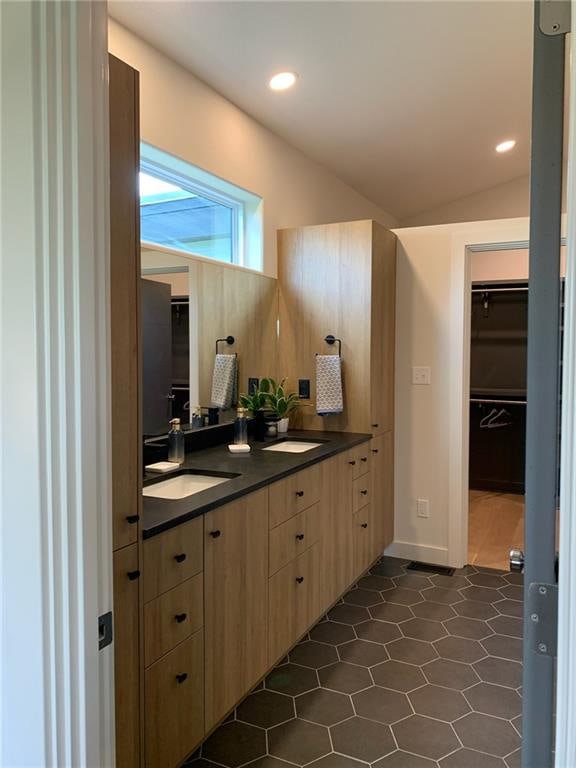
{"type": "Point", "coordinates": [282, 81]}
{"type": "Point", "coordinates": [505, 146]}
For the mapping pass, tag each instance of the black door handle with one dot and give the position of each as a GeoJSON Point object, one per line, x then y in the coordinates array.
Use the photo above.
{"type": "Point", "coordinates": [374, 450]}
{"type": "Point", "coordinates": [180, 678]}
{"type": "Point", "coordinates": [300, 536]}
{"type": "Point", "coordinates": [364, 525]}
{"type": "Point", "coordinates": [133, 575]}
{"type": "Point", "coordinates": [352, 463]}
{"type": "Point", "coordinates": [364, 458]}
{"type": "Point", "coordinates": [180, 617]}
{"type": "Point", "coordinates": [375, 425]}
{"type": "Point", "coordinates": [364, 493]}
{"type": "Point", "coordinates": [299, 579]}
{"type": "Point", "coordinates": [300, 494]}
{"type": "Point", "coordinates": [132, 519]}
{"type": "Point", "coordinates": [215, 534]}
{"type": "Point", "coordinates": [180, 558]}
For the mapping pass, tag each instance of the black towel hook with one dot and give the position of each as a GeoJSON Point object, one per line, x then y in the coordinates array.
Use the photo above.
{"type": "Point", "coordinates": [330, 339]}
{"type": "Point", "coordinates": [228, 339]}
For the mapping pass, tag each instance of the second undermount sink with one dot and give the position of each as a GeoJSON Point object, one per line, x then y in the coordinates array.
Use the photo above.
{"type": "Point", "coordinates": [183, 485]}
{"type": "Point", "coordinates": [293, 446]}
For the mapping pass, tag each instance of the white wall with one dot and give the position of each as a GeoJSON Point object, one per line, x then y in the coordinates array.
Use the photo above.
{"type": "Point", "coordinates": [505, 201]}
{"type": "Point", "coordinates": [499, 266]}
{"type": "Point", "coordinates": [183, 116]}
{"type": "Point", "coordinates": [431, 420]}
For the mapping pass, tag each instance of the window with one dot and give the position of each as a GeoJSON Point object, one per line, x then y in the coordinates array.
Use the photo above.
{"type": "Point", "coordinates": [189, 210]}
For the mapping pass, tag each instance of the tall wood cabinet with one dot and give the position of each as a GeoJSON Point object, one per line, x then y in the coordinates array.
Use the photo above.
{"type": "Point", "coordinates": [125, 384]}
{"type": "Point", "coordinates": [340, 280]}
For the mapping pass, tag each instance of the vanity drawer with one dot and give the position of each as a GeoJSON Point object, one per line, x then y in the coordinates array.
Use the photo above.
{"type": "Point", "coordinates": [172, 557]}
{"type": "Point", "coordinates": [363, 540]}
{"type": "Point", "coordinates": [174, 704]}
{"type": "Point", "coordinates": [293, 537]}
{"type": "Point", "coordinates": [361, 492]}
{"type": "Point", "coordinates": [294, 494]}
{"type": "Point", "coordinates": [172, 617]}
{"type": "Point", "coordinates": [294, 601]}
{"type": "Point", "coordinates": [360, 460]}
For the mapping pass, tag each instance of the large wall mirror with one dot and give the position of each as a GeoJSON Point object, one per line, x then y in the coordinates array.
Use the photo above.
{"type": "Point", "coordinates": [208, 329]}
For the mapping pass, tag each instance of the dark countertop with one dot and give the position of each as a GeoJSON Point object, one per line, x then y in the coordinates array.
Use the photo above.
{"type": "Point", "coordinates": [256, 470]}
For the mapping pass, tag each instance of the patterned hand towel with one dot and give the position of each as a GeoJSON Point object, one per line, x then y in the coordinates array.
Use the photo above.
{"type": "Point", "coordinates": [329, 397]}
{"type": "Point", "coordinates": [223, 381]}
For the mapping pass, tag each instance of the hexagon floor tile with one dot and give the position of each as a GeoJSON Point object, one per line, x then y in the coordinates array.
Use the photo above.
{"type": "Point", "coordinates": [410, 671]}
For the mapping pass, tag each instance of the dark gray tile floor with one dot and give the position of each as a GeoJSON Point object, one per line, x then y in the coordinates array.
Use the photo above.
{"type": "Point", "coordinates": [407, 671]}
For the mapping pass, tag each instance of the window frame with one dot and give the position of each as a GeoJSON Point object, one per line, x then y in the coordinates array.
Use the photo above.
{"type": "Point", "coordinates": [246, 207]}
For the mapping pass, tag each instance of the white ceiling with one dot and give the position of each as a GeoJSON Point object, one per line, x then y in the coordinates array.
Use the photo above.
{"type": "Point", "coordinates": [404, 101]}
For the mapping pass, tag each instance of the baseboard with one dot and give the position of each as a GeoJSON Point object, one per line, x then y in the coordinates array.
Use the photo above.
{"type": "Point", "coordinates": [419, 552]}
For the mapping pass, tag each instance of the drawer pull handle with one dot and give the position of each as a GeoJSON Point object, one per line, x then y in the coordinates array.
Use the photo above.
{"type": "Point", "coordinates": [181, 678]}
{"type": "Point", "coordinates": [374, 450]}
{"type": "Point", "coordinates": [364, 493]}
{"type": "Point", "coordinates": [132, 519]}
{"type": "Point", "coordinates": [375, 426]}
{"type": "Point", "coordinates": [352, 463]}
{"type": "Point", "coordinates": [180, 617]}
{"type": "Point", "coordinates": [133, 575]}
{"type": "Point", "coordinates": [300, 536]}
{"type": "Point", "coordinates": [299, 579]}
{"type": "Point", "coordinates": [364, 525]}
{"type": "Point", "coordinates": [364, 459]}
{"type": "Point", "coordinates": [180, 558]}
{"type": "Point", "coordinates": [299, 494]}
{"type": "Point", "coordinates": [215, 534]}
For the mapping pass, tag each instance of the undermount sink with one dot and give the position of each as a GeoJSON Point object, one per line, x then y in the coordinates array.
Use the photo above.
{"type": "Point", "coordinates": [293, 446]}
{"type": "Point", "coordinates": [183, 485]}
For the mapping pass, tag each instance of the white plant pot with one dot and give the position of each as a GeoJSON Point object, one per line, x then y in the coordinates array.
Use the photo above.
{"type": "Point", "coordinates": [282, 425]}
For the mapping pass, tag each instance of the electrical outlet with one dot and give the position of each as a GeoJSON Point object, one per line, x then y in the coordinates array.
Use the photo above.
{"type": "Point", "coordinates": [304, 389]}
{"type": "Point", "coordinates": [422, 508]}
{"type": "Point", "coordinates": [421, 374]}
{"type": "Point", "coordinates": [253, 385]}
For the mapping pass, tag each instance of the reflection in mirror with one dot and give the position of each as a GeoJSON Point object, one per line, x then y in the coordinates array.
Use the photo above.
{"type": "Point", "coordinates": [188, 304]}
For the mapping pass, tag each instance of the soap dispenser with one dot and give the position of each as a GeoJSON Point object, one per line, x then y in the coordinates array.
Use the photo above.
{"type": "Point", "coordinates": [240, 444]}
{"type": "Point", "coordinates": [175, 442]}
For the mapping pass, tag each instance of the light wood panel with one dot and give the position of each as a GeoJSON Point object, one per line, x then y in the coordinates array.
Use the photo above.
{"type": "Point", "coordinates": [174, 704]}
{"type": "Point", "coordinates": [241, 304]}
{"type": "Point", "coordinates": [495, 526]}
{"type": "Point", "coordinates": [383, 329]}
{"type": "Point", "coordinates": [361, 492]}
{"type": "Point", "coordinates": [295, 602]}
{"type": "Point", "coordinates": [324, 288]}
{"type": "Point", "coordinates": [236, 601]}
{"type": "Point", "coordinates": [382, 479]}
{"type": "Point", "coordinates": [127, 656]}
{"type": "Point", "coordinates": [291, 538]}
{"type": "Point", "coordinates": [363, 537]}
{"type": "Point", "coordinates": [337, 547]}
{"type": "Point", "coordinates": [172, 617]}
{"type": "Point", "coordinates": [361, 458]}
{"type": "Point", "coordinates": [125, 304]}
{"type": "Point", "coordinates": [295, 493]}
{"type": "Point", "coordinates": [172, 557]}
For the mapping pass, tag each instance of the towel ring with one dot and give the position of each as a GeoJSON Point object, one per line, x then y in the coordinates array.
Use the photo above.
{"type": "Point", "coordinates": [330, 339]}
{"type": "Point", "coordinates": [228, 339]}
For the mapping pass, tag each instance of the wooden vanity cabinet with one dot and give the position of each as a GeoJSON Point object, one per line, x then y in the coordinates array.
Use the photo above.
{"type": "Point", "coordinates": [235, 602]}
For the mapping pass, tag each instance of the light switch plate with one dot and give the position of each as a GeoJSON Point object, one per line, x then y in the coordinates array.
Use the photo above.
{"type": "Point", "coordinates": [422, 507]}
{"type": "Point", "coordinates": [421, 374]}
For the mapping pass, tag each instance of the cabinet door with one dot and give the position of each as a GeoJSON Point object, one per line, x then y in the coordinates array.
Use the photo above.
{"type": "Point", "coordinates": [127, 656]}
{"type": "Point", "coordinates": [363, 540]}
{"type": "Point", "coordinates": [294, 602]}
{"type": "Point", "coordinates": [174, 692]}
{"type": "Point", "coordinates": [236, 601]}
{"type": "Point", "coordinates": [124, 302]}
{"type": "Point", "coordinates": [382, 476]}
{"type": "Point", "coordinates": [295, 493]}
{"type": "Point", "coordinates": [337, 548]}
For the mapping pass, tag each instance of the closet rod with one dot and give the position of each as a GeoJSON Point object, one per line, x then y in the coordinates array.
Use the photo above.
{"type": "Point", "coordinates": [499, 290]}
{"type": "Point", "coordinates": [497, 402]}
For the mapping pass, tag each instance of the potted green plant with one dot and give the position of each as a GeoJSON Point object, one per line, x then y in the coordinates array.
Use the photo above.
{"type": "Point", "coordinates": [256, 403]}
{"type": "Point", "coordinates": [281, 402]}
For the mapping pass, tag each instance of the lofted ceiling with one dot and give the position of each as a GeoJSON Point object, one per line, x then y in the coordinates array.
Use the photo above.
{"type": "Point", "coordinates": [404, 101]}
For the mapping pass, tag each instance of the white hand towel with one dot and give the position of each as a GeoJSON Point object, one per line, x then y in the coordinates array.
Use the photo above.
{"type": "Point", "coordinates": [223, 381]}
{"type": "Point", "coordinates": [329, 396]}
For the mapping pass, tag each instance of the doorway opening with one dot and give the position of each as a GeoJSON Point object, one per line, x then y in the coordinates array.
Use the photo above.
{"type": "Point", "coordinates": [497, 404]}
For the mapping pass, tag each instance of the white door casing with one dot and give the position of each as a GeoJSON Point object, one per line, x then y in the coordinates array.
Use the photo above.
{"type": "Point", "coordinates": [57, 688]}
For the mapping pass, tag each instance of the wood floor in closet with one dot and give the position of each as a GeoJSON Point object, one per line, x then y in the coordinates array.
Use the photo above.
{"type": "Point", "coordinates": [495, 526]}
